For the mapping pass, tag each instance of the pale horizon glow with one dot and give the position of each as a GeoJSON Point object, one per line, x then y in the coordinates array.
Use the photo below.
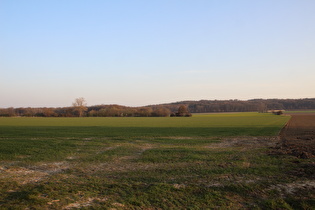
{"type": "Point", "coordinates": [138, 53]}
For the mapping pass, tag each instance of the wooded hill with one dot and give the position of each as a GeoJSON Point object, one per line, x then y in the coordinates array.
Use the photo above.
{"type": "Point", "coordinates": [164, 110]}
{"type": "Point", "coordinates": [260, 105]}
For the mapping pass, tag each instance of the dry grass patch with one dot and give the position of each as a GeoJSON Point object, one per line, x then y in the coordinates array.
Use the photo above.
{"type": "Point", "coordinates": [22, 175]}
{"type": "Point", "coordinates": [245, 142]}
{"type": "Point", "coordinates": [32, 173]}
{"type": "Point", "coordinates": [294, 187]}
{"type": "Point", "coordinates": [83, 203]}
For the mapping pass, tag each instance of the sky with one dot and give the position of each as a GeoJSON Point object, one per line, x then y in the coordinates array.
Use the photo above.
{"type": "Point", "coordinates": [140, 52]}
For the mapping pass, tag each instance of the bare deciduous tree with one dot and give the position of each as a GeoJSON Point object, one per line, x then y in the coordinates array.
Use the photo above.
{"type": "Point", "coordinates": [79, 105]}
{"type": "Point", "coordinates": [183, 111]}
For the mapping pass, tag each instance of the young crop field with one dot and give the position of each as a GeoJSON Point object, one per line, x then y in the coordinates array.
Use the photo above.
{"type": "Point", "coordinates": [236, 124]}
{"type": "Point", "coordinates": [210, 161]}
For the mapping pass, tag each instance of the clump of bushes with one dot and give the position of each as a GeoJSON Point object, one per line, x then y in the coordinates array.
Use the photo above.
{"type": "Point", "coordinates": [182, 112]}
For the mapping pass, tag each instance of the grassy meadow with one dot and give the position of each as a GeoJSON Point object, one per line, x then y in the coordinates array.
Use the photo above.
{"type": "Point", "coordinates": [209, 161]}
{"type": "Point", "coordinates": [235, 124]}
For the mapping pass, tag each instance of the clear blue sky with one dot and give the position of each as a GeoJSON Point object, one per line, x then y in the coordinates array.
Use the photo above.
{"type": "Point", "coordinates": [140, 52]}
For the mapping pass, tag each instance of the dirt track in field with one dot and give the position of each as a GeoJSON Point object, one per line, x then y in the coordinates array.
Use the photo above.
{"type": "Point", "coordinates": [298, 136]}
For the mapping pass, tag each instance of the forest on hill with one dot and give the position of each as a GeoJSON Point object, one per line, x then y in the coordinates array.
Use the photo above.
{"type": "Point", "coordinates": [163, 110]}
{"type": "Point", "coordinates": [260, 105]}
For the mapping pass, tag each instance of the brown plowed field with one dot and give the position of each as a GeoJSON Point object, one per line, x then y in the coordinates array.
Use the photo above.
{"type": "Point", "coordinates": [298, 136]}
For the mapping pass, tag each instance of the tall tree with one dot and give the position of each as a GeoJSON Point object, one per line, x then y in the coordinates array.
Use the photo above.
{"type": "Point", "coordinates": [79, 105]}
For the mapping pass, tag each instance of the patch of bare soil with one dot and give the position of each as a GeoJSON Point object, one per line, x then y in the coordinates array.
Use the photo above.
{"type": "Point", "coordinates": [297, 138]}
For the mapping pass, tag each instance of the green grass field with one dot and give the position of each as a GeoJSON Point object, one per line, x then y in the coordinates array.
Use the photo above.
{"type": "Point", "coordinates": [215, 161]}
{"type": "Point", "coordinates": [235, 124]}
{"type": "Point", "coordinates": [300, 112]}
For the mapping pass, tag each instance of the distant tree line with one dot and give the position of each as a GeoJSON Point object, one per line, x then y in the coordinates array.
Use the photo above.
{"type": "Point", "coordinates": [92, 111]}
{"type": "Point", "coordinates": [184, 108]}
{"type": "Point", "coordinates": [259, 105]}
{"type": "Point", "coordinates": [123, 111]}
